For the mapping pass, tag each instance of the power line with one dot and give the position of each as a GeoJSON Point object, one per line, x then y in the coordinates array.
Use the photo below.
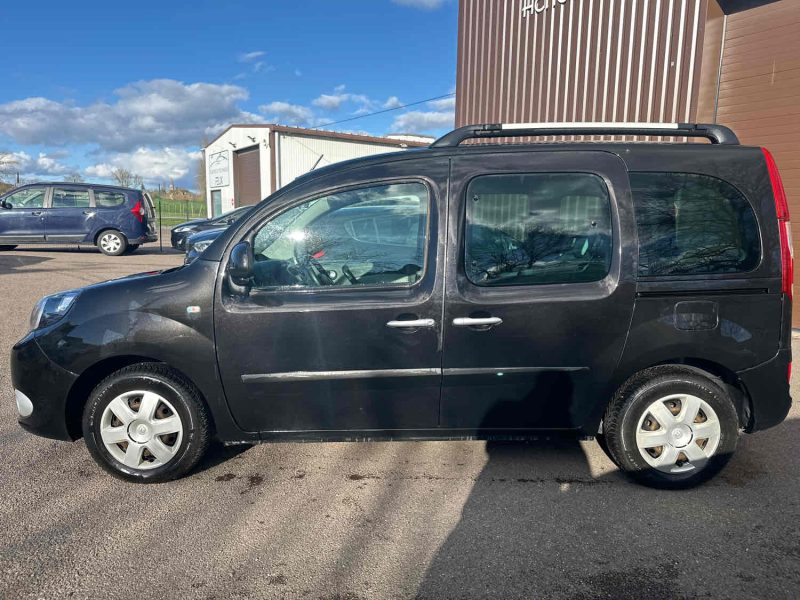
{"type": "Point", "coordinates": [385, 110]}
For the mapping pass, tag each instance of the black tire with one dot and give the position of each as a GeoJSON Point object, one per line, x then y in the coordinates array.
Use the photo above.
{"type": "Point", "coordinates": [180, 393]}
{"type": "Point", "coordinates": [112, 243]}
{"type": "Point", "coordinates": [633, 400]}
{"type": "Point", "coordinates": [7, 247]}
{"type": "Point", "coordinates": [131, 248]}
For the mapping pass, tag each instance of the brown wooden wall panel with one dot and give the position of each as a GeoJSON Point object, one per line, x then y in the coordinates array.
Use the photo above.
{"type": "Point", "coordinates": [759, 91]}
{"type": "Point", "coordinates": [578, 60]}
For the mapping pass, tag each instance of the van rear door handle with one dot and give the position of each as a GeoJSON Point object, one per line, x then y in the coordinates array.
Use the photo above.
{"type": "Point", "coordinates": [476, 321]}
{"type": "Point", "coordinates": [415, 324]}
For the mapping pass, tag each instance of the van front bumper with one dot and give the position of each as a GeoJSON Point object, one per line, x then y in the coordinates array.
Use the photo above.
{"type": "Point", "coordinates": [41, 388]}
{"type": "Point", "coordinates": [768, 388]}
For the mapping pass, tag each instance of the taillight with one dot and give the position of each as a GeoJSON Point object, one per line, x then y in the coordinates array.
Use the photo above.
{"type": "Point", "coordinates": [138, 211]}
{"type": "Point", "coordinates": [784, 226]}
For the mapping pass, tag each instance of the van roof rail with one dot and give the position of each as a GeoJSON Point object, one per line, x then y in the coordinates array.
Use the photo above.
{"type": "Point", "coordinates": [717, 134]}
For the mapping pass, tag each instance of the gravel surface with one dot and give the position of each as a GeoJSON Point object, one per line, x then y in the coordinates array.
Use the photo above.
{"type": "Point", "coordinates": [377, 520]}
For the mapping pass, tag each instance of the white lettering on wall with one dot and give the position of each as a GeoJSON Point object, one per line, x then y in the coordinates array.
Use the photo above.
{"type": "Point", "coordinates": [530, 7]}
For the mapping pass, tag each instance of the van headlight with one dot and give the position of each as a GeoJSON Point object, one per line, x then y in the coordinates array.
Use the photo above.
{"type": "Point", "coordinates": [183, 228]}
{"type": "Point", "coordinates": [200, 246]}
{"type": "Point", "coordinates": [50, 309]}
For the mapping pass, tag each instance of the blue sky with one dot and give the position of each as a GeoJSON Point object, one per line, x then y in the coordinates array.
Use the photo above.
{"type": "Point", "coordinates": [90, 86]}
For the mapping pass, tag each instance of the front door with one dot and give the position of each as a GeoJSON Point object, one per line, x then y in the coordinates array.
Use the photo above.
{"type": "Point", "coordinates": [341, 330]}
{"type": "Point", "coordinates": [539, 288]}
{"type": "Point", "coordinates": [71, 216]}
{"type": "Point", "coordinates": [22, 220]}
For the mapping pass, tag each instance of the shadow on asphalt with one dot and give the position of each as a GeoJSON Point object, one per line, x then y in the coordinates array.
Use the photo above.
{"type": "Point", "coordinates": [607, 537]}
{"type": "Point", "coordinates": [13, 262]}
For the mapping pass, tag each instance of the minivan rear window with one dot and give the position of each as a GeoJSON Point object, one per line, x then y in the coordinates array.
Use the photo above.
{"type": "Point", "coordinates": [693, 225]}
{"type": "Point", "coordinates": [537, 228]}
{"type": "Point", "coordinates": [108, 199]}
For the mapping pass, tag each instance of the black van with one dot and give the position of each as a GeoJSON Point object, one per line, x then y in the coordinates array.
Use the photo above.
{"type": "Point", "coordinates": [636, 292]}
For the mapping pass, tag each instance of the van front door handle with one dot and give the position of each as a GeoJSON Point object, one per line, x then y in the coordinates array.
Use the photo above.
{"type": "Point", "coordinates": [415, 324]}
{"type": "Point", "coordinates": [476, 321]}
{"type": "Point", "coordinates": [36, 213]}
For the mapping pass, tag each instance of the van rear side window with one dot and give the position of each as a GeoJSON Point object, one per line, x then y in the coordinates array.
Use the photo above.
{"type": "Point", "coordinates": [538, 228]}
{"type": "Point", "coordinates": [693, 225]}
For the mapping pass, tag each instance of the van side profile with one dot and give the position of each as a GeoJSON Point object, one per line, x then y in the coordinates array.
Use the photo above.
{"type": "Point", "coordinates": [639, 293]}
{"type": "Point", "coordinates": [115, 219]}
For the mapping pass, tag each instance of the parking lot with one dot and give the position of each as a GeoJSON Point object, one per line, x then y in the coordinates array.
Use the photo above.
{"type": "Point", "coordinates": [376, 520]}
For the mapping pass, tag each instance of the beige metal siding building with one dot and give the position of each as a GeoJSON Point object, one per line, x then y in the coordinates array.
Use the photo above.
{"type": "Point", "coordinates": [246, 163]}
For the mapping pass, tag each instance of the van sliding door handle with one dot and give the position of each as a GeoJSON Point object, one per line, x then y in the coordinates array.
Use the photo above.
{"type": "Point", "coordinates": [415, 324]}
{"type": "Point", "coordinates": [476, 322]}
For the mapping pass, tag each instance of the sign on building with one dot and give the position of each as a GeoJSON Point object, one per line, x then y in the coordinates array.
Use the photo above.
{"type": "Point", "coordinates": [219, 169]}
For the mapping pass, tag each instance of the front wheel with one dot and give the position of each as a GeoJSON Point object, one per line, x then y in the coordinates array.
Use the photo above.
{"type": "Point", "coordinates": [671, 427]}
{"type": "Point", "coordinates": [146, 423]}
{"type": "Point", "coordinates": [112, 243]}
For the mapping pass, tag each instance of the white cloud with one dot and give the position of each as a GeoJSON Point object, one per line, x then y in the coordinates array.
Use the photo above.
{"type": "Point", "coordinates": [443, 103]}
{"type": "Point", "coordinates": [339, 97]}
{"type": "Point", "coordinates": [284, 112]}
{"type": "Point", "coordinates": [247, 57]}
{"type": "Point", "coordinates": [154, 165]}
{"type": "Point", "coordinates": [417, 121]}
{"type": "Point", "coordinates": [426, 4]}
{"type": "Point", "coordinates": [145, 113]}
{"type": "Point", "coordinates": [43, 166]}
{"type": "Point", "coordinates": [392, 102]}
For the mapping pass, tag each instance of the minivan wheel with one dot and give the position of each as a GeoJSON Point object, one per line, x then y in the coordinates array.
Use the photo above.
{"type": "Point", "coordinates": [112, 243]}
{"type": "Point", "coordinates": [671, 427]}
{"type": "Point", "coordinates": [146, 423]}
{"type": "Point", "coordinates": [7, 247]}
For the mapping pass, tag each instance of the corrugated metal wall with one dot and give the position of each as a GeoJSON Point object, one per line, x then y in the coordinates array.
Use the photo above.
{"type": "Point", "coordinates": [759, 89]}
{"type": "Point", "coordinates": [578, 60]}
{"type": "Point", "coordinates": [298, 154]}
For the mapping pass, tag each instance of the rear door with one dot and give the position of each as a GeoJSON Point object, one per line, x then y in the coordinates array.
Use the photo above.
{"type": "Point", "coordinates": [24, 220]}
{"type": "Point", "coordinates": [70, 215]}
{"type": "Point", "coordinates": [539, 288]}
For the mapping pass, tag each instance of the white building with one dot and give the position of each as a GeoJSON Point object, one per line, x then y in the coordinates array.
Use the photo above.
{"type": "Point", "coordinates": [246, 163]}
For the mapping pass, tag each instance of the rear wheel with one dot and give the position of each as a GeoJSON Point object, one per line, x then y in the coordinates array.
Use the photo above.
{"type": "Point", "coordinates": [6, 247]}
{"type": "Point", "coordinates": [146, 423]}
{"type": "Point", "coordinates": [112, 243]}
{"type": "Point", "coordinates": [671, 427]}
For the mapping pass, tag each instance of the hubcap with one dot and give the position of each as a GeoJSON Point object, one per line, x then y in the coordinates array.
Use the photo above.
{"type": "Point", "coordinates": [678, 433]}
{"type": "Point", "coordinates": [110, 242]}
{"type": "Point", "coordinates": [141, 429]}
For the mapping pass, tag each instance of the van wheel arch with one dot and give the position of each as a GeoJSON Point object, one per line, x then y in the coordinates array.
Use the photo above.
{"type": "Point", "coordinates": [720, 374]}
{"type": "Point", "coordinates": [79, 393]}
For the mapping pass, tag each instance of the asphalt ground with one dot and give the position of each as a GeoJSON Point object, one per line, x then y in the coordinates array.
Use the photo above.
{"type": "Point", "coordinates": [377, 520]}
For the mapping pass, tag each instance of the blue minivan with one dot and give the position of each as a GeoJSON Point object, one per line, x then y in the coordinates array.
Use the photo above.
{"type": "Point", "coordinates": [115, 219]}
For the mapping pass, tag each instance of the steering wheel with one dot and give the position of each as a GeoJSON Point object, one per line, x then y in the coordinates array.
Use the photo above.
{"type": "Point", "coordinates": [349, 274]}
{"type": "Point", "coordinates": [310, 267]}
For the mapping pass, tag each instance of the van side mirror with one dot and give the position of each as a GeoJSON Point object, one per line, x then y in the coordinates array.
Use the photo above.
{"type": "Point", "coordinates": [240, 268]}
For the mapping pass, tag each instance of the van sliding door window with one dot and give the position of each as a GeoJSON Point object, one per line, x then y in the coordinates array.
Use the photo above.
{"type": "Point", "coordinates": [538, 228]}
{"type": "Point", "coordinates": [693, 225]}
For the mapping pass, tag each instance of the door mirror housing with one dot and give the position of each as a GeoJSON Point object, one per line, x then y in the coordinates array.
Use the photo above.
{"type": "Point", "coordinates": [5, 204]}
{"type": "Point", "coordinates": [240, 268]}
